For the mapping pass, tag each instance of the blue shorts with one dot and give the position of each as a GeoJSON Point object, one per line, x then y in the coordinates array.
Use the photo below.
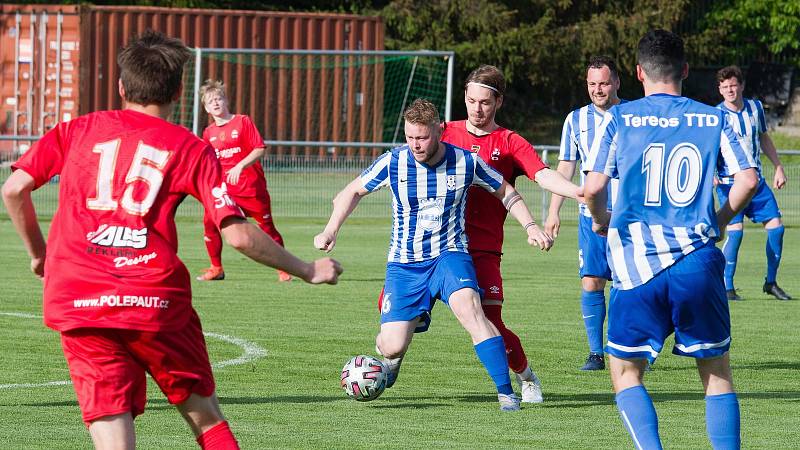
{"type": "Point", "coordinates": [687, 298]}
{"type": "Point", "coordinates": [412, 288]}
{"type": "Point", "coordinates": [762, 208]}
{"type": "Point", "coordinates": [592, 259]}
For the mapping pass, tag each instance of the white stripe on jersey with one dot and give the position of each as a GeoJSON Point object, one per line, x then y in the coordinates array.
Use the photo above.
{"type": "Point", "coordinates": [640, 251]}
{"type": "Point", "coordinates": [662, 247]}
{"type": "Point", "coordinates": [616, 250]}
{"type": "Point", "coordinates": [402, 195]}
{"type": "Point", "coordinates": [682, 236]}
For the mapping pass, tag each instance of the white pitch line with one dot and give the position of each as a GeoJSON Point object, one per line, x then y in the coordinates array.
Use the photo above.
{"type": "Point", "coordinates": [252, 352]}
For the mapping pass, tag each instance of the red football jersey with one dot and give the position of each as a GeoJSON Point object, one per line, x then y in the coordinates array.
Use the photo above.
{"type": "Point", "coordinates": [232, 142]}
{"type": "Point", "coordinates": [112, 246]}
{"type": "Point", "coordinates": [512, 156]}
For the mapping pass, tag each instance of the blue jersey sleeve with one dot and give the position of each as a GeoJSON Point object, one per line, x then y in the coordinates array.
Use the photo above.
{"type": "Point", "coordinates": [569, 148]}
{"type": "Point", "coordinates": [762, 119]}
{"type": "Point", "coordinates": [376, 175]}
{"type": "Point", "coordinates": [603, 153]}
{"type": "Point", "coordinates": [485, 176]}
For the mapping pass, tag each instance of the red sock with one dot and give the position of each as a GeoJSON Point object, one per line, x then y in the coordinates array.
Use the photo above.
{"type": "Point", "coordinates": [517, 361]}
{"type": "Point", "coordinates": [219, 437]}
{"type": "Point", "coordinates": [213, 242]}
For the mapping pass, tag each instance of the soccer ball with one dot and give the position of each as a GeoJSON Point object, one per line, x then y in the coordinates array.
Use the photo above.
{"type": "Point", "coordinates": [364, 378]}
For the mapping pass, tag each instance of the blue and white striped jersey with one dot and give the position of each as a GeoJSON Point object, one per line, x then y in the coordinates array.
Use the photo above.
{"type": "Point", "coordinates": [428, 201]}
{"type": "Point", "coordinates": [748, 123]}
{"type": "Point", "coordinates": [577, 136]}
{"type": "Point", "coordinates": [663, 149]}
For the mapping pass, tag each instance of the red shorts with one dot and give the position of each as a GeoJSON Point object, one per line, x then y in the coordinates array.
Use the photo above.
{"type": "Point", "coordinates": [258, 207]}
{"type": "Point", "coordinates": [108, 367]}
{"type": "Point", "coordinates": [487, 268]}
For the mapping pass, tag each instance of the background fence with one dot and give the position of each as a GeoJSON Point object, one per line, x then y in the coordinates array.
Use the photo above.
{"type": "Point", "coordinates": [304, 187]}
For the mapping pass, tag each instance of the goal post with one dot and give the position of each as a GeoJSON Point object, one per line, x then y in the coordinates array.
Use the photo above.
{"type": "Point", "coordinates": [320, 102]}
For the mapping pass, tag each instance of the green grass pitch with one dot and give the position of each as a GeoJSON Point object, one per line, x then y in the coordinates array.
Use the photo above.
{"type": "Point", "coordinates": [290, 398]}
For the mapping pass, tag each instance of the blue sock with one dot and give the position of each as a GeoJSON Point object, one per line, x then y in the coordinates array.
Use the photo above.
{"type": "Point", "coordinates": [492, 353]}
{"type": "Point", "coordinates": [593, 307]}
{"type": "Point", "coordinates": [722, 421]}
{"type": "Point", "coordinates": [639, 417]}
{"type": "Point", "coordinates": [774, 249]}
{"type": "Point", "coordinates": [731, 251]}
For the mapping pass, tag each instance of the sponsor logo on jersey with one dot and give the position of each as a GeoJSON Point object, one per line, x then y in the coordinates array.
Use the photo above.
{"type": "Point", "coordinates": [117, 236]}
{"type": "Point", "coordinates": [430, 213]}
{"type": "Point", "coordinates": [475, 148]}
{"type": "Point", "coordinates": [221, 198]}
{"type": "Point", "coordinates": [123, 261]}
{"type": "Point", "coordinates": [213, 138]}
{"type": "Point", "coordinates": [496, 154]}
{"type": "Point", "coordinates": [122, 301]}
{"type": "Point", "coordinates": [228, 152]}
{"type": "Point", "coordinates": [451, 182]}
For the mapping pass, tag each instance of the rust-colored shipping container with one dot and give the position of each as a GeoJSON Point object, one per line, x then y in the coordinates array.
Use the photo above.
{"type": "Point", "coordinates": [60, 61]}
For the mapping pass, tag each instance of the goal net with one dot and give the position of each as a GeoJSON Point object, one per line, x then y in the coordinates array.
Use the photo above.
{"type": "Point", "coordinates": [318, 103]}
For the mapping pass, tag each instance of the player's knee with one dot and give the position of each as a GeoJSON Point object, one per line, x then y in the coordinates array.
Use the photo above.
{"type": "Point", "coordinates": [592, 284]}
{"type": "Point", "coordinates": [391, 346]}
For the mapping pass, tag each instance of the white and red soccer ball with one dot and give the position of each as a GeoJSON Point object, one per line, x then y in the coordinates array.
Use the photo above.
{"type": "Point", "coordinates": [364, 378]}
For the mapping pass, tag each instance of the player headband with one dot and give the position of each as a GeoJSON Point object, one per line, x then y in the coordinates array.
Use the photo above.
{"type": "Point", "coordinates": [483, 85]}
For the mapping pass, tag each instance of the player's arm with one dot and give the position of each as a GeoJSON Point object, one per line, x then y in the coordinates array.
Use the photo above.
{"type": "Point", "coordinates": [596, 196]}
{"type": "Point", "coordinates": [513, 202]}
{"type": "Point", "coordinates": [232, 176]}
{"type": "Point", "coordinates": [768, 147]}
{"type": "Point", "coordinates": [17, 197]}
{"type": "Point", "coordinates": [550, 180]}
{"type": "Point", "coordinates": [343, 205]}
{"type": "Point", "coordinates": [553, 222]}
{"type": "Point", "coordinates": [744, 186]}
{"type": "Point", "coordinates": [258, 246]}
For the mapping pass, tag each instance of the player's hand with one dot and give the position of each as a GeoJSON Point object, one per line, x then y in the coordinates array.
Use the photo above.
{"type": "Point", "coordinates": [600, 224]}
{"type": "Point", "coordinates": [325, 241]}
{"type": "Point", "coordinates": [538, 238]}
{"type": "Point", "coordinates": [552, 225]}
{"type": "Point", "coordinates": [325, 270]}
{"type": "Point", "coordinates": [579, 197]}
{"type": "Point", "coordinates": [779, 180]}
{"type": "Point", "coordinates": [37, 267]}
{"type": "Point", "coordinates": [234, 174]}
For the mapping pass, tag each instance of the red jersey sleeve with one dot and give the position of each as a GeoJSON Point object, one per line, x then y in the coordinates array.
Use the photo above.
{"type": "Point", "coordinates": [525, 156]}
{"type": "Point", "coordinates": [205, 184]}
{"type": "Point", "coordinates": [46, 158]}
{"type": "Point", "coordinates": [250, 138]}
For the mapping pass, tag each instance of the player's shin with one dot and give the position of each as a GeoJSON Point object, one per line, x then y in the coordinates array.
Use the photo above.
{"type": "Point", "coordinates": [723, 421]}
{"type": "Point", "coordinates": [218, 437]}
{"type": "Point", "coordinates": [639, 417]}
{"type": "Point", "coordinates": [593, 309]}
{"type": "Point", "coordinates": [492, 354]}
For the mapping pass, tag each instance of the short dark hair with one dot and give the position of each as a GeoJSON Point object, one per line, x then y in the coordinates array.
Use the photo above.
{"type": "Point", "coordinates": [151, 68]}
{"type": "Point", "coordinates": [490, 76]}
{"type": "Point", "coordinates": [729, 72]}
{"type": "Point", "coordinates": [422, 112]}
{"type": "Point", "coordinates": [661, 55]}
{"type": "Point", "coordinates": [600, 61]}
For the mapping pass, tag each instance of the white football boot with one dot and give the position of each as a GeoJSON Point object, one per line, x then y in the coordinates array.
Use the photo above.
{"type": "Point", "coordinates": [531, 388]}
